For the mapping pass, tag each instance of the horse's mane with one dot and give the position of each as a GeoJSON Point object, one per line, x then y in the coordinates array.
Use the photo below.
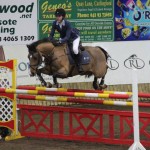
{"type": "Point", "coordinates": [40, 41]}
{"type": "Point", "coordinates": [32, 46]}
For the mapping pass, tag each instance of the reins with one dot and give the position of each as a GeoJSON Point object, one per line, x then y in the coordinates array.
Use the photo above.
{"type": "Point", "coordinates": [48, 59]}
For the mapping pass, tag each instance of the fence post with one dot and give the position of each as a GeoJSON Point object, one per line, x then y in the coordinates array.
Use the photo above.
{"type": "Point", "coordinates": [136, 145]}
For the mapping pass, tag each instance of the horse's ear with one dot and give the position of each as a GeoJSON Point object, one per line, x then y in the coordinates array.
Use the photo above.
{"type": "Point", "coordinates": [28, 46]}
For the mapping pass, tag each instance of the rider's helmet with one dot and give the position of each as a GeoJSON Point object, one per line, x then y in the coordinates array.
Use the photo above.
{"type": "Point", "coordinates": [60, 12]}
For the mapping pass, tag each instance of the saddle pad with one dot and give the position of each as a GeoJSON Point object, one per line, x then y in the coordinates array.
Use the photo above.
{"type": "Point", "coordinates": [84, 57]}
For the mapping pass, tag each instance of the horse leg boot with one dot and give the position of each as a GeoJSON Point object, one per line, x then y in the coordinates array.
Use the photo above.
{"type": "Point", "coordinates": [43, 82]}
{"type": "Point", "coordinates": [77, 62]}
{"type": "Point", "coordinates": [56, 84]}
{"type": "Point", "coordinates": [95, 86]}
{"type": "Point", "coordinates": [101, 84]}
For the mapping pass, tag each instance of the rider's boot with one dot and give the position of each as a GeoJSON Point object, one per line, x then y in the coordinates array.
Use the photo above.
{"type": "Point", "coordinates": [81, 47]}
{"type": "Point", "coordinates": [77, 61]}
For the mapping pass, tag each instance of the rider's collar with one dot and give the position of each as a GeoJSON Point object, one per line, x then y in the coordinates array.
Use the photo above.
{"type": "Point", "coordinates": [62, 23]}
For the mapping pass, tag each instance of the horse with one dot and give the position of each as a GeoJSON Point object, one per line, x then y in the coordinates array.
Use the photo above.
{"type": "Point", "coordinates": [58, 65]}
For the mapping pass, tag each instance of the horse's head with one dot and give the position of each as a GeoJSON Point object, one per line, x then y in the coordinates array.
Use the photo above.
{"type": "Point", "coordinates": [35, 59]}
{"type": "Point", "coordinates": [37, 50]}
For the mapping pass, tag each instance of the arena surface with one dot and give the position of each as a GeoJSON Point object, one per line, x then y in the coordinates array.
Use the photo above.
{"type": "Point", "coordinates": [48, 144]}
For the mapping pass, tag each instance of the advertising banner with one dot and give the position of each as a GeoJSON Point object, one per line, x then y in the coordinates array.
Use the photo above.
{"type": "Point", "coordinates": [132, 20]}
{"type": "Point", "coordinates": [80, 9]}
{"type": "Point", "coordinates": [94, 19]}
{"type": "Point", "coordinates": [18, 22]}
{"type": "Point", "coordinates": [89, 31]}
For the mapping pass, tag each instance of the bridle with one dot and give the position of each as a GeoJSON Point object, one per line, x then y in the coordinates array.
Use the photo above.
{"type": "Point", "coordinates": [39, 58]}
{"type": "Point", "coordinates": [47, 60]}
{"type": "Point", "coordinates": [38, 64]}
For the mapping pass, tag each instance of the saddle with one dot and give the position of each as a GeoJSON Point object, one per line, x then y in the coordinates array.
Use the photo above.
{"type": "Point", "coordinates": [84, 55]}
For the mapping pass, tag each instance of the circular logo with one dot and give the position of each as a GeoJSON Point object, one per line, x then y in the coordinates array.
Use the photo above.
{"type": "Point", "coordinates": [134, 62]}
{"type": "Point", "coordinates": [112, 64]}
{"type": "Point", "coordinates": [23, 66]}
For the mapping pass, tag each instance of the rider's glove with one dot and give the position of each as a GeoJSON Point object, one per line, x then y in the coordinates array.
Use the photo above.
{"type": "Point", "coordinates": [60, 40]}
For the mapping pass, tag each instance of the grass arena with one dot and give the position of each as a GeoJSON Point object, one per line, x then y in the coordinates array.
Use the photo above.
{"type": "Point", "coordinates": [76, 117]}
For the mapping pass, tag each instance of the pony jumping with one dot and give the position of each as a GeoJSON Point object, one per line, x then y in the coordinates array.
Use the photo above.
{"type": "Point", "coordinates": [58, 62]}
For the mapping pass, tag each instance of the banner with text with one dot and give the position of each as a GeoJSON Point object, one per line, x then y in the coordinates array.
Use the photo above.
{"type": "Point", "coordinates": [18, 22]}
{"type": "Point", "coordinates": [94, 19]}
{"type": "Point", "coordinates": [83, 9]}
{"type": "Point", "coordinates": [90, 31]}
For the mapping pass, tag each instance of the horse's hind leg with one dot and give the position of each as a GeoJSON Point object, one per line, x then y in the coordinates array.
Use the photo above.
{"type": "Point", "coordinates": [95, 86]}
{"type": "Point", "coordinates": [101, 84]}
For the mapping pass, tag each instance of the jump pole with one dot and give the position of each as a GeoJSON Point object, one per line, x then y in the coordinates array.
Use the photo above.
{"type": "Point", "coordinates": [26, 87]}
{"type": "Point", "coordinates": [70, 94]}
{"type": "Point", "coordinates": [79, 100]}
{"type": "Point", "coordinates": [136, 145]}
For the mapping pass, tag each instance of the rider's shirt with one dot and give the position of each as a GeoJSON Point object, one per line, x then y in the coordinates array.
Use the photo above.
{"type": "Point", "coordinates": [66, 31]}
{"type": "Point", "coordinates": [61, 24]}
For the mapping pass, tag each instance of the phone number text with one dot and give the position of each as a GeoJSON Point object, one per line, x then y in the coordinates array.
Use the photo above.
{"type": "Point", "coordinates": [17, 38]}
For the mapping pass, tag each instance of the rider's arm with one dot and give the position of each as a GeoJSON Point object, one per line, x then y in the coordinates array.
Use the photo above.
{"type": "Point", "coordinates": [52, 31]}
{"type": "Point", "coordinates": [68, 33]}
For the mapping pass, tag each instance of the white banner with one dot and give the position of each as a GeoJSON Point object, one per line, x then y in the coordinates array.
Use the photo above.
{"type": "Point", "coordinates": [119, 51]}
{"type": "Point", "coordinates": [18, 21]}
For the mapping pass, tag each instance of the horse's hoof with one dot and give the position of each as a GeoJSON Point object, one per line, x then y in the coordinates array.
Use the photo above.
{"type": "Point", "coordinates": [101, 87]}
{"type": "Point", "coordinates": [43, 84]}
{"type": "Point", "coordinates": [95, 86]}
{"type": "Point", "coordinates": [58, 85]}
{"type": "Point", "coordinates": [48, 85]}
{"type": "Point", "coordinates": [104, 86]}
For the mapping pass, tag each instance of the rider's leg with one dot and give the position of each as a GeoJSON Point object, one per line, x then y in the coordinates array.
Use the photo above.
{"type": "Point", "coordinates": [76, 45]}
{"type": "Point", "coordinates": [77, 54]}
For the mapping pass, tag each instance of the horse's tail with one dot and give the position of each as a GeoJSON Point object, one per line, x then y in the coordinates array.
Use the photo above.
{"type": "Point", "coordinates": [105, 52]}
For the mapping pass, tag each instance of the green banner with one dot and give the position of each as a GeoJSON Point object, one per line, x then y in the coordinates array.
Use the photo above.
{"type": "Point", "coordinates": [89, 31]}
{"type": "Point", "coordinates": [94, 18]}
{"type": "Point", "coordinates": [77, 9]}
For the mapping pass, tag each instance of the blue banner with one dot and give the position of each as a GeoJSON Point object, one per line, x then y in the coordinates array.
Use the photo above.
{"type": "Point", "coordinates": [132, 20]}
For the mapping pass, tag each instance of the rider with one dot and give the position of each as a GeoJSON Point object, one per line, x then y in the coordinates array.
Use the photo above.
{"type": "Point", "coordinates": [67, 34]}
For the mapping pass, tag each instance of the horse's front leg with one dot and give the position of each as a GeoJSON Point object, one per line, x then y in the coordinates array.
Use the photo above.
{"type": "Point", "coordinates": [56, 84]}
{"type": "Point", "coordinates": [61, 73]}
{"type": "Point", "coordinates": [43, 82]}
